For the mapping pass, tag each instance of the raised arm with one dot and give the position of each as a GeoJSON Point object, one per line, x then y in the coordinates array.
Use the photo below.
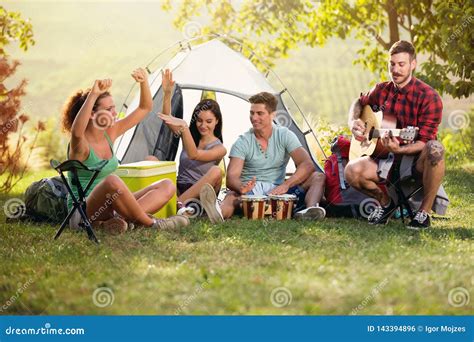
{"type": "Point", "coordinates": [79, 145]}
{"type": "Point", "coordinates": [144, 107]}
{"type": "Point", "coordinates": [167, 84]}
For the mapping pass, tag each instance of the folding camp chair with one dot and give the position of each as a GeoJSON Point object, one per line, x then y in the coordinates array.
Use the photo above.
{"type": "Point", "coordinates": [78, 203]}
{"type": "Point", "coordinates": [402, 199]}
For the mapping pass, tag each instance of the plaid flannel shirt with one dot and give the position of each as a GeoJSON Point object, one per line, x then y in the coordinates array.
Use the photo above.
{"type": "Point", "coordinates": [416, 104]}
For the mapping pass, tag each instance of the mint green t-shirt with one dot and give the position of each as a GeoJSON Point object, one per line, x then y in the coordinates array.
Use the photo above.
{"type": "Point", "coordinates": [270, 165]}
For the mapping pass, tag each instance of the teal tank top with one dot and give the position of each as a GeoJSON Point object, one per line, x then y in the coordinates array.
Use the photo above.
{"type": "Point", "coordinates": [84, 176]}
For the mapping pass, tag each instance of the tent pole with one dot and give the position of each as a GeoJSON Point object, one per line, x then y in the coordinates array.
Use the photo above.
{"type": "Point", "coordinates": [305, 120]}
{"type": "Point", "coordinates": [214, 35]}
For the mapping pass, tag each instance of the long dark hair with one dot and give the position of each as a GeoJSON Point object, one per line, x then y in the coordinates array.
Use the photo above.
{"type": "Point", "coordinates": [213, 106]}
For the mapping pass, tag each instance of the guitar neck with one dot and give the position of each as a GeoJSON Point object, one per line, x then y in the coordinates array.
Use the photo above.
{"type": "Point", "coordinates": [381, 131]}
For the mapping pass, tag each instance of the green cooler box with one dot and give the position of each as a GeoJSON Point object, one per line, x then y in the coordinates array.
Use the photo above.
{"type": "Point", "coordinates": [141, 174]}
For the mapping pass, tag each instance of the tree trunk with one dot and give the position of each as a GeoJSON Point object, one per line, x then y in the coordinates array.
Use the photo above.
{"type": "Point", "coordinates": [392, 22]}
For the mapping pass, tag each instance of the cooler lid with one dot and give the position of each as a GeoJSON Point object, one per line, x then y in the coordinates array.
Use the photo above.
{"type": "Point", "coordinates": [146, 168]}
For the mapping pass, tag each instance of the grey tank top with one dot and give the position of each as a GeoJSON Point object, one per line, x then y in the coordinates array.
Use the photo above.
{"type": "Point", "coordinates": [190, 171]}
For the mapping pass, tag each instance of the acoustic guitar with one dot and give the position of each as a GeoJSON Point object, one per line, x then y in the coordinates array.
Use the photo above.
{"type": "Point", "coordinates": [376, 125]}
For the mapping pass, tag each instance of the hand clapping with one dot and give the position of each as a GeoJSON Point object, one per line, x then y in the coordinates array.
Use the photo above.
{"type": "Point", "coordinates": [167, 82]}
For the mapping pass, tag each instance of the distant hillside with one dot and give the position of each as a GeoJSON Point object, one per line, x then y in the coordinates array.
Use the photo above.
{"type": "Point", "coordinates": [79, 42]}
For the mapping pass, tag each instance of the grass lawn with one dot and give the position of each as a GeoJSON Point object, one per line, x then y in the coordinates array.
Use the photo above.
{"type": "Point", "coordinates": [337, 266]}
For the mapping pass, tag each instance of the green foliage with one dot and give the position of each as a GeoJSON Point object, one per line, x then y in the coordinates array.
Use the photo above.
{"type": "Point", "coordinates": [458, 138]}
{"type": "Point", "coordinates": [447, 36]}
{"type": "Point", "coordinates": [14, 28]}
{"type": "Point", "coordinates": [50, 145]}
{"type": "Point", "coordinates": [326, 132]}
{"type": "Point", "coordinates": [272, 28]}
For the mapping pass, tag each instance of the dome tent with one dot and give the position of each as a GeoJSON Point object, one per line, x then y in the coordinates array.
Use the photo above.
{"type": "Point", "coordinates": [211, 66]}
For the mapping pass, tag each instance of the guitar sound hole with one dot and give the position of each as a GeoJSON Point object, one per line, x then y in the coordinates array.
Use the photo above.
{"type": "Point", "coordinates": [371, 133]}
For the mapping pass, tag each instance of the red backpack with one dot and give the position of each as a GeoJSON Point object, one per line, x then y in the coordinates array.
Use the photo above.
{"type": "Point", "coordinates": [342, 199]}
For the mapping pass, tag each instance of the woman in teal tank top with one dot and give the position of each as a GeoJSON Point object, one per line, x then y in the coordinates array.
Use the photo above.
{"type": "Point", "coordinates": [84, 176]}
{"type": "Point", "coordinates": [90, 117]}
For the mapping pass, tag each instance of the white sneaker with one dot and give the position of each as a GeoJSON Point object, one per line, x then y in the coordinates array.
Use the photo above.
{"type": "Point", "coordinates": [311, 213]}
{"type": "Point", "coordinates": [186, 211]}
{"type": "Point", "coordinates": [208, 199]}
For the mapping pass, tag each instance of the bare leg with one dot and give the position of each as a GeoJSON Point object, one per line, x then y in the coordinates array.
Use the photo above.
{"type": "Point", "coordinates": [230, 203]}
{"type": "Point", "coordinates": [213, 177]}
{"type": "Point", "coordinates": [314, 188]}
{"type": "Point", "coordinates": [431, 165]}
{"type": "Point", "coordinates": [112, 194]}
{"type": "Point", "coordinates": [155, 196]}
{"type": "Point", "coordinates": [361, 174]}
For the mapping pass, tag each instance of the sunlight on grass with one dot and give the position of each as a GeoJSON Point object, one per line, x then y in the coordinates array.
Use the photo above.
{"type": "Point", "coordinates": [336, 266]}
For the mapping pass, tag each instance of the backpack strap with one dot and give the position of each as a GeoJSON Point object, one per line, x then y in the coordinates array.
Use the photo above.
{"type": "Point", "coordinates": [355, 211]}
{"type": "Point", "coordinates": [55, 191]}
{"type": "Point", "coordinates": [342, 181]}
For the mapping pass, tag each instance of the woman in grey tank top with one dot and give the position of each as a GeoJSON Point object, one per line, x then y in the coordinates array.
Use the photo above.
{"type": "Point", "coordinates": [202, 144]}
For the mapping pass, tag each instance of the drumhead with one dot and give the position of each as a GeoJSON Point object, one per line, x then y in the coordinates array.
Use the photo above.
{"type": "Point", "coordinates": [256, 198]}
{"type": "Point", "coordinates": [284, 197]}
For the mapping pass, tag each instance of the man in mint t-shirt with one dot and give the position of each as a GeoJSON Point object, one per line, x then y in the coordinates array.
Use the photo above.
{"type": "Point", "coordinates": [258, 161]}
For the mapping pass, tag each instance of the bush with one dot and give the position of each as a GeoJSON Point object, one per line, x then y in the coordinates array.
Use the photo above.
{"type": "Point", "coordinates": [12, 122]}
{"type": "Point", "coordinates": [458, 137]}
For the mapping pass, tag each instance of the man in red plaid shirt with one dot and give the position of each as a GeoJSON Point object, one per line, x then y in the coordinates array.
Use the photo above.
{"type": "Point", "coordinates": [414, 103]}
